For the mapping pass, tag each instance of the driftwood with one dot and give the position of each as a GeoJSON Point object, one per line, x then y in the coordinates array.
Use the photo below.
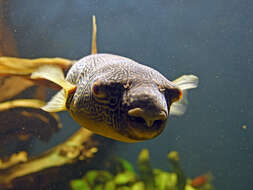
{"type": "Point", "coordinates": [22, 119]}
{"type": "Point", "coordinates": [70, 156]}
{"type": "Point", "coordinates": [41, 171]}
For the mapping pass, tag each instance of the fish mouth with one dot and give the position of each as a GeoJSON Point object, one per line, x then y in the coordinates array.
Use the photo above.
{"type": "Point", "coordinates": [139, 130]}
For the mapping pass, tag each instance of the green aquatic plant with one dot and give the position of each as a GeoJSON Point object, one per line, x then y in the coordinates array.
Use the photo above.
{"type": "Point", "coordinates": [122, 176]}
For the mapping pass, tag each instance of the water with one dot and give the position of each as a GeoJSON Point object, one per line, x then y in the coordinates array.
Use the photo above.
{"type": "Point", "coordinates": [211, 39]}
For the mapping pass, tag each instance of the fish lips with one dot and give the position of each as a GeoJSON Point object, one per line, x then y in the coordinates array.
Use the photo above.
{"type": "Point", "coordinates": [138, 130]}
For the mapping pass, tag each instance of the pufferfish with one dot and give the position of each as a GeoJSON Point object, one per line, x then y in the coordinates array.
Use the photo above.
{"type": "Point", "coordinates": [117, 97]}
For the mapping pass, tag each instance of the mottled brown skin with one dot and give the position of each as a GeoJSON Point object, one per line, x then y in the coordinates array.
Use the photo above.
{"type": "Point", "coordinates": [108, 86]}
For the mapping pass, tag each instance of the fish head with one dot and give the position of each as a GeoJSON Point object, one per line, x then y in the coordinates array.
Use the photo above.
{"type": "Point", "coordinates": [146, 107]}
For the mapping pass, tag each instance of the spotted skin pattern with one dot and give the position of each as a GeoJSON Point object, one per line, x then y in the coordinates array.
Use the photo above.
{"type": "Point", "coordinates": [126, 84]}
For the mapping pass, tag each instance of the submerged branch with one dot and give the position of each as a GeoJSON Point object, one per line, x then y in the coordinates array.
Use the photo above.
{"type": "Point", "coordinates": [12, 66]}
{"type": "Point", "coordinates": [20, 66]}
{"type": "Point", "coordinates": [79, 147]}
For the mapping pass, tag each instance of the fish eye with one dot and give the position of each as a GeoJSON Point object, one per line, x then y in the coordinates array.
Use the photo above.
{"type": "Point", "coordinates": [98, 90]}
{"type": "Point", "coordinates": [174, 94]}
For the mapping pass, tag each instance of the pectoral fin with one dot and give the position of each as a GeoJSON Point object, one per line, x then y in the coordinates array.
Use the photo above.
{"type": "Point", "coordinates": [55, 74]}
{"type": "Point", "coordinates": [57, 103]}
{"type": "Point", "coordinates": [184, 83]}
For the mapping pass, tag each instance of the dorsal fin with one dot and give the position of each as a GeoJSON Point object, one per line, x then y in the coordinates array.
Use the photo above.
{"type": "Point", "coordinates": [94, 34]}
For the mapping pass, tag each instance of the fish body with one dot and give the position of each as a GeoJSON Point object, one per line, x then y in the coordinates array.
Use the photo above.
{"type": "Point", "coordinates": [119, 98]}
{"type": "Point", "coordinates": [124, 85]}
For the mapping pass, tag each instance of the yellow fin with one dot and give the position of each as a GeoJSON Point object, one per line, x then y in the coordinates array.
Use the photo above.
{"type": "Point", "coordinates": [184, 83]}
{"type": "Point", "coordinates": [94, 34]}
{"type": "Point", "coordinates": [56, 75]}
{"type": "Point", "coordinates": [57, 103]}
{"type": "Point", "coordinates": [53, 74]}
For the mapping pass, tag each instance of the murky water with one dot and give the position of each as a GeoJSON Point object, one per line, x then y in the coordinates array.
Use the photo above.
{"type": "Point", "coordinates": [211, 39]}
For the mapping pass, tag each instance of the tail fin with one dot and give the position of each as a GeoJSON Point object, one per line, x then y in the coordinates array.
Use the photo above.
{"type": "Point", "coordinates": [184, 83]}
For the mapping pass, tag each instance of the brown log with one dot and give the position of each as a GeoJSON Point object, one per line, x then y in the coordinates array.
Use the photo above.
{"type": "Point", "coordinates": [59, 164]}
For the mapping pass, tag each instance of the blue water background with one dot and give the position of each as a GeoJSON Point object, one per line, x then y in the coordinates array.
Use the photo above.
{"type": "Point", "coordinates": [212, 39]}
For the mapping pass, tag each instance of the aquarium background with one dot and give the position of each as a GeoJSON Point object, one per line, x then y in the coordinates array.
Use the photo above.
{"type": "Point", "coordinates": [212, 39]}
